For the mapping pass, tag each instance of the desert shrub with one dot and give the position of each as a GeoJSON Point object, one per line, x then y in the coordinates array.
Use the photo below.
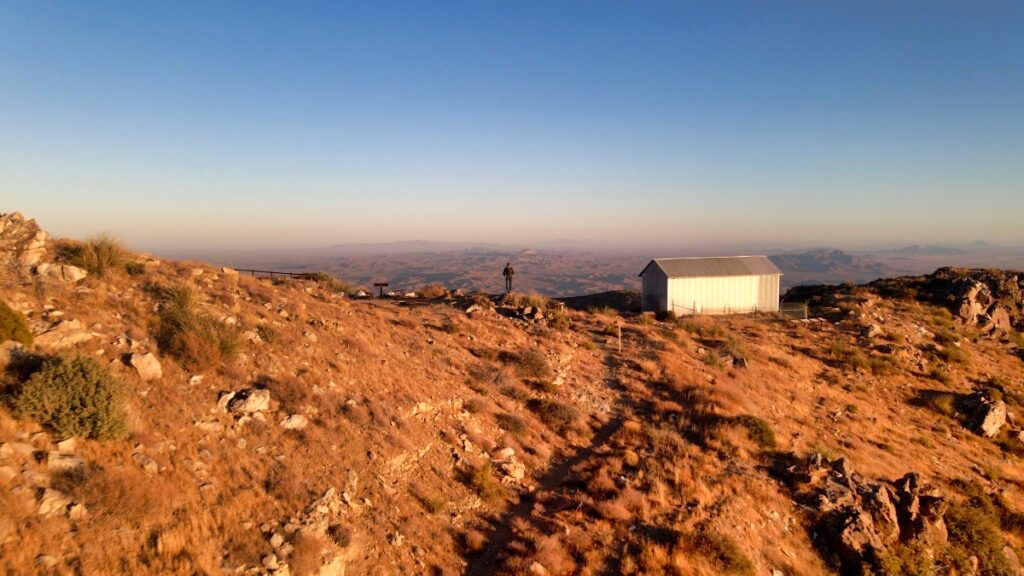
{"type": "Point", "coordinates": [557, 318]}
{"type": "Point", "coordinates": [135, 268]}
{"type": "Point", "coordinates": [197, 340]}
{"type": "Point", "coordinates": [759, 431]}
{"type": "Point", "coordinates": [941, 402]}
{"type": "Point", "coordinates": [433, 291]}
{"type": "Point", "coordinates": [714, 360]}
{"type": "Point", "coordinates": [334, 285]}
{"type": "Point", "coordinates": [848, 356]}
{"type": "Point", "coordinates": [267, 333]}
{"type": "Point", "coordinates": [535, 300]}
{"type": "Point", "coordinates": [450, 326]}
{"type": "Point", "coordinates": [515, 392]}
{"type": "Point", "coordinates": [884, 365]}
{"type": "Point", "coordinates": [98, 255]}
{"type": "Point", "coordinates": [432, 503]}
{"type": "Point", "coordinates": [474, 405]}
{"type": "Point", "coordinates": [733, 347]}
{"type": "Point", "coordinates": [511, 423]}
{"type": "Point", "coordinates": [481, 479]}
{"type": "Point", "coordinates": [946, 337]}
{"type": "Point", "coordinates": [722, 552]}
{"type": "Point", "coordinates": [528, 364]}
{"type": "Point", "coordinates": [953, 355]}
{"type": "Point", "coordinates": [307, 550]}
{"type": "Point", "coordinates": [559, 417]}
{"type": "Point", "coordinates": [913, 558]}
{"type": "Point", "coordinates": [940, 375]}
{"type": "Point", "coordinates": [74, 396]}
{"type": "Point", "coordinates": [974, 529]}
{"type": "Point", "coordinates": [13, 326]}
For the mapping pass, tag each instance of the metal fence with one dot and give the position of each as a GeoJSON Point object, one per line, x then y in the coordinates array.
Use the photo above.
{"type": "Point", "coordinates": [786, 310]}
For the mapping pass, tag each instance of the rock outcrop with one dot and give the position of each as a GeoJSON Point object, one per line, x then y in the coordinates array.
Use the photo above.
{"type": "Point", "coordinates": [22, 242]}
{"type": "Point", "coordinates": [861, 519]}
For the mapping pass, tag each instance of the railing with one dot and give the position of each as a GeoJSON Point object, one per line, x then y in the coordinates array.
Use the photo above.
{"type": "Point", "coordinates": [796, 310]}
{"type": "Point", "coordinates": [315, 276]}
{"type": "Point", "coordinates": [786, 310]}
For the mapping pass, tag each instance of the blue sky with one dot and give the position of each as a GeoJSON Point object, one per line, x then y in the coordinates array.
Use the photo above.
{"type": "Point", "coordinates": [207, 125]}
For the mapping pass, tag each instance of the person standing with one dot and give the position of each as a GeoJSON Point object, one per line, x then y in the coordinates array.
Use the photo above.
{"type": "Point", "coordinates": [508, 273]}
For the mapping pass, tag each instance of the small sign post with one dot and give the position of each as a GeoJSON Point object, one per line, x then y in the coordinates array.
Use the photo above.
{"type": "Point", "coordinates": [380, 286]}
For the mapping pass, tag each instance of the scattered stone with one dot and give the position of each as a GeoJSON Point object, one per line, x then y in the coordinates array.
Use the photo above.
{"type": "Point", "coordinates": [505, 454]}
{"type": "Point", "coordinates": [61, 272]}
{"type": "Point", "coordinates": [63, 335]}
{"type": "Point", "coordinates": [57, 462]}
{"type": "Point", "coordinates": [147, 366]}
{"type": "Point", "coordinates": [53, 502]}
{"type": "Point", "coordinates": [47, 561]}
{"type": "Point", "coordinates": [295, 422]}
{"type": "Point", "coordinates": [146, 462]}
{"type": "Point", "coordinates": [246, 401]}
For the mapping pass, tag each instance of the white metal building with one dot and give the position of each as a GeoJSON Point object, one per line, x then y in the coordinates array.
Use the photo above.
{"type": "Point", "coordinates": [724, 285]}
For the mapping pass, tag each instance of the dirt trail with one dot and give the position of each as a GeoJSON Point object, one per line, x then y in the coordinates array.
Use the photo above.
{"type": "Point", "coordinates": [487, 560]}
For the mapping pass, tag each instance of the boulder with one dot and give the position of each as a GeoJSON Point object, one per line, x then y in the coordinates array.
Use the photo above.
{"type": "Point", "coordinates": [61, 272]}
{"type": "Point", "coordinates": [986, 416]}
{"type": "Point", "coordinates": [57, 462]}
{"type": "Point", "coordinates": [53, 503]}
{"type": "Point", "coordinates": [63, 334]}
{"type": "Point", "coordinates": [22, 242]}
{"type": "Point", "coordinates": [247, 401]}
{"type": "Point", "coordinates": [147, 366]}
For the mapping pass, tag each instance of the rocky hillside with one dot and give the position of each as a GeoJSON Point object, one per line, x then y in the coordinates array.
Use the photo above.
{"type": "Point", "coordinates": [169, 417]}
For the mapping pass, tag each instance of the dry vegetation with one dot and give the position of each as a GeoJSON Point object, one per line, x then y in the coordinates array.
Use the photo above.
{"type": "Point", "coordinates": [432, 441]}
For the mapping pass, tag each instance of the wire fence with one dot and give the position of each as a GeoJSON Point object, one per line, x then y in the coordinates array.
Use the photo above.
{"type": "Point", "coordinates": [796, 310]}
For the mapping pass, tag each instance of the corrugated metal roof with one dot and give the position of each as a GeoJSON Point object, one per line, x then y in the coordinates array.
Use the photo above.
{"type": "Point", "coordinates": [720, 266]}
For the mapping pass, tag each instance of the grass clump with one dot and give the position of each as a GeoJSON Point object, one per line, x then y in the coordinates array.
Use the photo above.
{"type": "Point", "coordinates": [450, 326]}
{"type": "Point", "coordinates": [511, 423]}
{"type": "Point", "coordinates": [940, 375]}
{"type": "Point", "coordinates": [433, 291]}
{"type": "Point", "coordinates": [759, 431]}
{"type": "Point", "coordinates": [723, 554]}
{"type": "Point", "coordinates": [559, 417]}
{"type": "Point", "coordinates": [13, 326]}
{"type": "Point", "coordinates": [334, 285]}
{"type": "Point", "coordinates": [974, 530]}
{"type": "Point", "coordinates": [529, 364]}
{"type": "Point", "coordinates": [99, 255]}
{"type": "Point", "coordinates": [848, 356]}
{"type": "Point", "coordinates": [135, 268]}
{"type": "Point", "coordinates": [74, 396]}
{"type": "Point", "coordinates": [481, 479]}
{"type": "Point", "coordinates": [196, 339]}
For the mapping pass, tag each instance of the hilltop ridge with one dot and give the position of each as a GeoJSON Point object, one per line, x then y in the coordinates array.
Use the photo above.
{"type": "Point", "coordinates": [284, 427]}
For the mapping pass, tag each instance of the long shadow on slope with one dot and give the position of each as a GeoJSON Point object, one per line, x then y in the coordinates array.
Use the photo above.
{"type": "Point", "coordinates": [490, 558]}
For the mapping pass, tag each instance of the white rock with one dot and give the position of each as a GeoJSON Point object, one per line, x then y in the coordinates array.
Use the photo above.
{"type": "Point", "coordinates": [57, 462]}
{"type": "Point", "coordinates": [249, 400]}
{"type": "Point", "coordinates": [147, 366]}
{"type": "Point", "coordinates": [295, 422]}
{"type": "Point", "coordinates": [63, 335]}
{"type": "Point", "coordinates": [53, 502]}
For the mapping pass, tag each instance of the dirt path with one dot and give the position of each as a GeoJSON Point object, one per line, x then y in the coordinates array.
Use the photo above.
{"type": "Point", "coordinates": [487, 560]}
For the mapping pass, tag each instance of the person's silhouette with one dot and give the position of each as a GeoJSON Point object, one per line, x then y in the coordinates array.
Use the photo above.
{"type": "Point", "coordinates": [508, 273]}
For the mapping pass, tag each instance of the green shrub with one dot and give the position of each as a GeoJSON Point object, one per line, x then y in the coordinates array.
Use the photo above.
{"type": "Point", "coordinates": [848, 356]}
{"type": "Point", "coordinates": [974, 530]}
{"type": "Point", "coordinates": [99, 255]}
{"type": "Point", "coordinates": [13, 326]}
{"type": "Point", "coordinates": [267, 333]}
{"type": "Point", "coordinates": [483, 481]}
{"type": "Point", "coordinates": [759, 431]}
{"type": "Point", "coordinates": [74, 396]}
{"type": "Point", "coordinates": [197, 340]}
{"type": "Point", "coordinates": [913, 558]}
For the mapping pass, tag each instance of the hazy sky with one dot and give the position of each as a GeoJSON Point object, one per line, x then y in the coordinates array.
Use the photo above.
{"type": "Point", "coordinates": [274, 124]}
